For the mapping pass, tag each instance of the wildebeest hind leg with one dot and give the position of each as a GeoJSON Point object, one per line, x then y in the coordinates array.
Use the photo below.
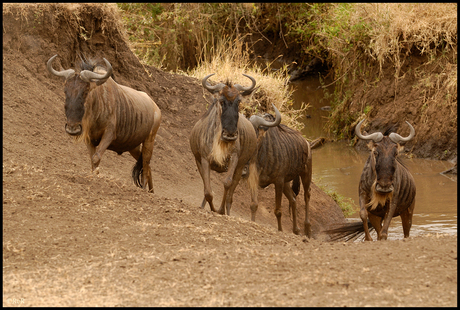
{"type": "Point", "coordinates": [306, 182]}
{"type": "Point", "coordinates": [146, 171]}
{"type": "Point", "coordinates": [292, 206]}
{"type": "Point", "coordinates": [278, 196]}
{"type": "Point", "coordinates": [147, 150]}
{"type": "Point", "coordinates": [136, 152]}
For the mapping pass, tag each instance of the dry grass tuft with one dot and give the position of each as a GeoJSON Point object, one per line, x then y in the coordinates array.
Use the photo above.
{"type": "Point", "coordinates": [108, 13]}
{"type": "Point", "coordinates": [230, 59]}
{"type": "Point", "coordinates": [399, 27]}
{"type": "Point", "coordinates": [393, 33]}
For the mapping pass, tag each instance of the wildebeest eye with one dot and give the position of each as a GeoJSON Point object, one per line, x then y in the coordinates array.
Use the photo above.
{"type": "Point", "coordinates": [376, 153]}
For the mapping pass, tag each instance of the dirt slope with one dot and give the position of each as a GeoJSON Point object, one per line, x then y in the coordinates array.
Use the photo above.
{"type": "Point", "coordinates": [77, 239]}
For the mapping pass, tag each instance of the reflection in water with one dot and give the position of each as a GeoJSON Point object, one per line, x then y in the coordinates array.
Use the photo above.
{"type": "Point", "coordinates": [338, 167]}
{"type": "Point", "coordinates": [308, 92]}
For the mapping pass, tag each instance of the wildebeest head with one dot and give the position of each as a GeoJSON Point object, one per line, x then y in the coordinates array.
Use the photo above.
{"type": "Point", "coordinates": [384, 152]}
{"type": "Point", "coordinates": [266, 121]}
{"type": "Point", "coordinates": [263, 123]}
{"type": "Point", "coordinates": [228, 96]}
{"type": "Point", "coordinates": [77, 87]}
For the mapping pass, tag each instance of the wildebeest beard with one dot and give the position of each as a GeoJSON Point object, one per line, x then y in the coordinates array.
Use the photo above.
{"type": "Point", "coordinates": [378, 198]}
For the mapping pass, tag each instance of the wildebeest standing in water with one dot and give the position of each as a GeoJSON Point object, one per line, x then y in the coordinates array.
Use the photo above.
{"type": "Point", "coordinates": [386, 189]}
{"type": "Point", "coordinates": [283, 156]}
{"type": "Point", "coordinates": [106, 115]}
{"type": "Point", "coordinates": [224, 141]}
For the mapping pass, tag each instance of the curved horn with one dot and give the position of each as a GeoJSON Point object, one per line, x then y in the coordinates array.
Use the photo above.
{"type": "Point", "coordinates": [246, 89]}
{"type": "Point", "coordinates": [211, 89]}
{"type": "Point", "coordinates": [258, 121]}
{"type": "Point", "coordinates": [65, 73]}
{"type": "Point", "coordinates": [397, 138]}
{"type": "Point", "coordinates": [376, 136]}
{"type": "Point", "coordinates": [87, 75]}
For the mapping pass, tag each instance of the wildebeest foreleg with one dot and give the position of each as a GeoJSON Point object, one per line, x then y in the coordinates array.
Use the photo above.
{"type": "Point", "coordinates": [106, 140]}
{"type": "Point", "coordinates": [363, 214]}
{"type": "Point", "coordinates": [205, 172]}
{"type": "Point", "coordinates": [376, 222]}
{"type": "Point", "coordinates": [228, 193]}
{"type": "Point", "coordinates": [231, 179]}
{"type": "Point", "coordinates": [406, 219]}
{"type": "Point", "coordinates": [92, 150]}
{"type": "Point", "coordinates": [292, 206]}
{"type": "Point", "coordinates": [387, 220]}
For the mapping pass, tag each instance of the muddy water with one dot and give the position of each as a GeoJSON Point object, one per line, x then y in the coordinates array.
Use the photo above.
{"type": "Point", "coordinates": [338, 167]}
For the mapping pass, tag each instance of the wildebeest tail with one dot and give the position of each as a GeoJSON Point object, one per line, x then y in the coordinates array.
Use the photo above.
{"type": "Point", "coordinates": [349, 231]}
{"type": "Point", "coordinates": [137, 172]}
{"type": "Point", "coordinates": [296, 185]}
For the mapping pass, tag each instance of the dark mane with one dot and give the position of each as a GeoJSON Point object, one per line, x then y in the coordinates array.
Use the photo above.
{"type": "Point", "coordinates": [91, 64]}
{"type": "Point", "coordinates": [87, 64]}
{"type": "Point", "coordinates": [390, 129]}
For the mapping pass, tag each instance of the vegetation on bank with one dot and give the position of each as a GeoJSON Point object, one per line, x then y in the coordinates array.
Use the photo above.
{"type": "Point", "coordinates": [351, 37]}
{"type": "Point", "coordinates": [357, 40]}
{"type": "Point", "coordinates": [346, 204]}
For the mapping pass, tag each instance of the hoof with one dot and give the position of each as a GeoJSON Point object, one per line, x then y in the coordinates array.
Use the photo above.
{"type": "Point", "coordinates": [221, 211]}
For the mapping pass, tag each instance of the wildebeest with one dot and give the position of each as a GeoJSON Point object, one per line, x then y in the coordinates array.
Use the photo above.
{"type": "Point", "coordinates": [283, 156]}
{"type": "Point", "coordinates": [106, 115]}
{"type": "Point", "coordinates": [386, 189]}
{"type": "Point", "coordinates": [224, 141]}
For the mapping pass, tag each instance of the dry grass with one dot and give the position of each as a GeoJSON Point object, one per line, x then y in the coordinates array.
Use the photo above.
{"type": "Point", "coordinates": [230, 59]}
{"type": "Point", "coordinates": [398, 27]}
{"type": "Point", "coordinates": [108, 14]}
{"type": "Point", "coordinates": [392, 33]}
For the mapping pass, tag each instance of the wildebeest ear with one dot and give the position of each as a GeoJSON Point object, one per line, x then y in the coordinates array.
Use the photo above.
{"type": "Point", "coordinates": [371, 145]}
{"type": "Point", "coordinates": [400, 148]}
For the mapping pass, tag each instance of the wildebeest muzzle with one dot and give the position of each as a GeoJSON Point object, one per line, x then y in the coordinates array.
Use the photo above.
{"type": "Point", "coordinates": [384, 189]}
{"type": "Point", "coordinates": [73, 130]}
{"type": "Point", "coordinates": [228, 137]}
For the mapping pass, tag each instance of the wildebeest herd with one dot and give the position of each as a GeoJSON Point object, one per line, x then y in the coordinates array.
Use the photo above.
{"type": "Point", "coordinates": [106, 115]}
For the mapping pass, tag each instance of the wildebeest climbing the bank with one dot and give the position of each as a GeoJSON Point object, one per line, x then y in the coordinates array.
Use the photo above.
{"type": "Point", "coordinates": [106, 115]}
{"type": "Point", "coordinates": [386, 189]}
{"type": "Point", "coordinates": [224, 141]}
{"type": "Point", "coordinates": [283, 156]}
